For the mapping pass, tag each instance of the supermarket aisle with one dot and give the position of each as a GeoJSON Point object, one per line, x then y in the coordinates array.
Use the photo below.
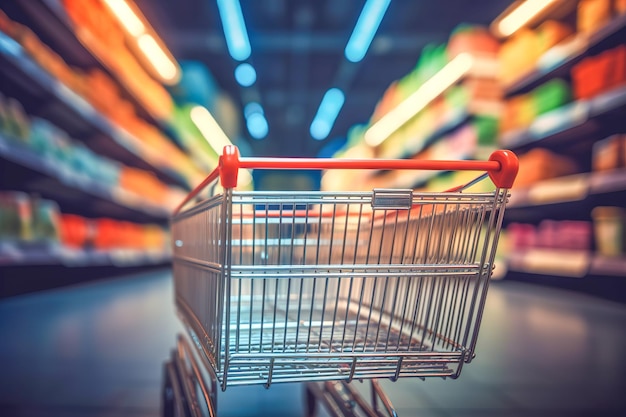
{"type": "Point", "coordinates": [97, 350]}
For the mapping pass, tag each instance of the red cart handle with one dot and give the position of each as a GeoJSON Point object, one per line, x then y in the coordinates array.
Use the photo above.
{"type": "Point", "coordinates": [502, 167]}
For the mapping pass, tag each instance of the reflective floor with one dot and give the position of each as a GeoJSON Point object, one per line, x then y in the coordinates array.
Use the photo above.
{"type": "Point", "coordinates": [98, 350]}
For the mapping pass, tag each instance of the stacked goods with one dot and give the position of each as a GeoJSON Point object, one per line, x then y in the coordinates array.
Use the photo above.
{"type": "Point", "coordinates": [551, 234]}
{"type": "Point", "coordinates": [108, 234]}
{"type": "Point", "coordinates": [594, 14]}
{"type": "Point", "coordinates": [520, 111]}
{"type": "Point", "coordinates": [478, 93]}
{"type": "Point", "coordinates": [541, 164]}
{"type": "Point", "coordinates": [93, 19]}
{"type": "Point", "coordinates": [25, 219]}
{"type": "Point", "coordinates": [103, 93]}
{"type": "Point", "coordinates": [70, 157]}
{"type": "Point", "coordinates": [519, 53]}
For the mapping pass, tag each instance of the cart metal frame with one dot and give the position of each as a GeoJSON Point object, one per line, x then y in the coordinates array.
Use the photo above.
{"type": "Point", "coordinates": [336, 286]}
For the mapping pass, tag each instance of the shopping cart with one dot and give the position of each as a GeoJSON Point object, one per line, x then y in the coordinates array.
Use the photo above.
{"type": "Point", "coordinates": [330, 287]}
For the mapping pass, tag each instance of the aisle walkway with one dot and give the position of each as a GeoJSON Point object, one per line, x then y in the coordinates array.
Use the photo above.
{"type": "Point", "coordinates": [97, 350]}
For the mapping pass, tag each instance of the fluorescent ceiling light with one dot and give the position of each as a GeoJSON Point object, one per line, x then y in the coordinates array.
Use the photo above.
{"type": "Point", "coordinates": [365, 29]}
{"type": "Point", "coordinates": [126, 16]}
{"type": "Point", "coordinates": [157, 57]}
{"type": "Point", "coordinates": [252, 107]}
{"type": "Point", "coordinates": [255, 120]}
{"type": "Point", "coordinates": [417, 101]}
{"type": "Point", "coordinates": [257, 125]}
{"type": "Point", "coordinates": [209, 128]}
{"type": "Point", "coordinates": [327, 113]}
{"type": "Point", "coordinates": [245, 74]}
{"type": "Point", "coordinates": [234, 29]}
{"type": "Point", "coordinates": [522, 14]}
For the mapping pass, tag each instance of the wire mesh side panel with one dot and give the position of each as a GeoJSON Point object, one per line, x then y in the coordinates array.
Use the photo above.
{"type": "Point", "coordinates": [323, 286]}
{"type": "Point", "coordinates": [197, 267]}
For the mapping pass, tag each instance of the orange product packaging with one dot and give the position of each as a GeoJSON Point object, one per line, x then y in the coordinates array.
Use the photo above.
{"type": "Point", "coordinates": [541, 164]}
{"type": "Point", "coordinates": [143, 183]}
{"type": "Point", "coordinates": [76, 231]}
{"type": "Point", "coordinates": [107, 234]}
{"type": "Point", "coordinates": [592, 15]}
{"type": "Point", "coordinates": [476, 40]}
{"type": "Point", "coordinates": [551, 32]}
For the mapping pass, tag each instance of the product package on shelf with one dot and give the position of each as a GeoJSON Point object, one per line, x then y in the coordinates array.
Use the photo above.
{"type": "Point", "coordinates": [541, 164]}
{"type": "Point", "coordinates": [26, 220]}
{"type": "Point", "coordinates": [600, 73]}
{"type": "Point", "coordinates": [610, 153]}
{"type": "Point", "coordinates": [609, 225]}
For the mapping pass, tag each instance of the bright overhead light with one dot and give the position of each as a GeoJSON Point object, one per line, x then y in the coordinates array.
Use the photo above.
{"type": "Point", "coordinates": [327, 113]}
{"type": "Point", "coordinates": [157, 57]}
{"type": "Point", "coordinates": [522, 14]}
{"type": "Point", "coordinates": [234, 29]}
{"type": "Point", "coordinates": [245, 74]}
{"type": "Point", "coordinates": [126, 16]}
{"type": "Point", "coordinates": [417, 101]}
{"type": "Point", "coordinates": [251, 108]}
{"type": "Point", "coordinates": [255, 120]}
{"type": "Point", "coordinates": [209, 128]}
{"type": "Point", "coordinates": [365, 29]}
{"type": "Point", "coordinates": [257, 125]}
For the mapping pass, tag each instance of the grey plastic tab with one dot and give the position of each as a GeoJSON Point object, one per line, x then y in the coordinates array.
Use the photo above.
{"type": "Point", "coordinates": [392, 199]}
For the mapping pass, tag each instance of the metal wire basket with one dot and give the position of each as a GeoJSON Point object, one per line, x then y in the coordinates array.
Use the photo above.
{"type": "Point", "coordinates": [318, 286]}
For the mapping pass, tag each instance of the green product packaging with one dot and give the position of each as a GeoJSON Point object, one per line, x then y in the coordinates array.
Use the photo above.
{"type": "Point", "coordinates": [551, 95]}
{"type": "Point", "coordinates": [486, 129]}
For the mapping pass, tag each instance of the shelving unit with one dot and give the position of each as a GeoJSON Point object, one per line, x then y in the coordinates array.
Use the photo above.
{"type": "Point", "coordinates": [77, 116]}
{"type": "Point", "coordinates": [580, 119]}
{"type": "Point", "coordinates": [71, 188]}
{"type": "Point", "coordinates": [14, 254]}
{"type": "Point", "coordinates": [32, 263]}
{"type": "Point", "coordinates": [571, 130]}
{"type": "Point", "coordinates": [558, 60]}
{"type": "Point", "coordinates": [50, 15]}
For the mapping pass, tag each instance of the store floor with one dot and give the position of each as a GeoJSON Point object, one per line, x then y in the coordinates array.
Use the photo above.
{"type": "Point", "coordinates": [97, 350]}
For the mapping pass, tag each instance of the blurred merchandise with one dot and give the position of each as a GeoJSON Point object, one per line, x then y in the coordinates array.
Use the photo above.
{"type": "Point", "coordinates": [28, 219]}
{"type": "Point", "coordinates": [541, 164]}
{"type": "Point", "coordinates": [46, 220]}
{"type": "Point", "coordinates": [593, 14]}
{"type": "Point", "coordinates": [102, 33]}
{"type": "Point", "coordinates": [550, 234]}
{"type": "Point", "coordinates": [609, 225]}
{"type": "Point", "coordinates": [16, 216]}
{"type": "Point", "coordinates": [76, 231]}
{"type": "Point", "coordinates": [71, 159]}
{"type": "Point", "coordinates": [103, 93]}
{"type": "Point", "coordinates": [521, 110]}
{"type": "Point", "coordinates": [600, 73]}
{"type": "Point", "coordinates": [610, 153]}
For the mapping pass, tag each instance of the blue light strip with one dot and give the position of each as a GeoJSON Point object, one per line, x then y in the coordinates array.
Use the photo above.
{"type": "Point", "coordinates": [365, 29]}
{"type": "Point", "coordinates": [234, 29]}
{"type": "Point", "coordinates": [329, 109]}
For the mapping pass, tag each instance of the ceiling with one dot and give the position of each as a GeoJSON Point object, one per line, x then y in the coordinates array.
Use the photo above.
{"type": "Point", "coordinates": [298, 53]}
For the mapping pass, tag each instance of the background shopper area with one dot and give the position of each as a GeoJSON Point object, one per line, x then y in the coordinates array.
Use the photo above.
{"type": "Point", "coordinates": [112, 111]}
